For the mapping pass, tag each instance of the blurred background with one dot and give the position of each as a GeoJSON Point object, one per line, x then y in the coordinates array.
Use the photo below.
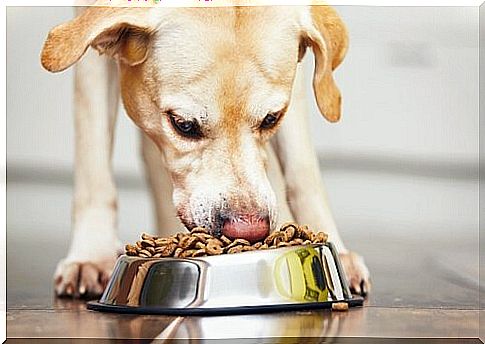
{"type": "Point", "coordinates": [401, 168]}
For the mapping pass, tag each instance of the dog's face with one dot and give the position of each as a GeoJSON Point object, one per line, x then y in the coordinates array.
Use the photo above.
{"type": "Point", "coordinates": [216, 96]}
{"type": "Point", "coordinates": [210, 87]}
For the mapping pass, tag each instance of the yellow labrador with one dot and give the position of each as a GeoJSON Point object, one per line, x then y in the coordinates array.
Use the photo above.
{"type": "Point", "coordinates": [209, 87]}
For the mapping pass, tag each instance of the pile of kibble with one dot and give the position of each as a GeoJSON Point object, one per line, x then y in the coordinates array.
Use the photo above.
{"type": "Point", "coordinates": [200, 243]}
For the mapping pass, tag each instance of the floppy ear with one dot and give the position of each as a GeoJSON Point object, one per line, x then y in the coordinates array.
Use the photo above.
{"type": "Point", "coordinates": [327, 35]}
{"type": "Point", "coordinates": [123, 33]}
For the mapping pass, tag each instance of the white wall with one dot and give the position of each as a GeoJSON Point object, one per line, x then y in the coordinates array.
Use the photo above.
{"type": "Point", "coordinates": [40, 116]}
{"type": "Point", "coordinates": [410, 85]}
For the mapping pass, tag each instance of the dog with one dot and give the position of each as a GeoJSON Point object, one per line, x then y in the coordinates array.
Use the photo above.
{"type": "Point", "coordinates": [218, 94]}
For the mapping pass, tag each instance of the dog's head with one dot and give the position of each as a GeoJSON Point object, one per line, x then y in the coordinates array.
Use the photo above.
{"type": "Point", "coordinates": [210, 86]}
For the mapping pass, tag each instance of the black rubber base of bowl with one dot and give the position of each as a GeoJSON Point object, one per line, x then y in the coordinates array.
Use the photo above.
{"type": "Point", "coordinates": [96, 306]}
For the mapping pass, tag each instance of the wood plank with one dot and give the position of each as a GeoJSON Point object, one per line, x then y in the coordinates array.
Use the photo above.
{"type": "Point", "coordinates": [360, 322]}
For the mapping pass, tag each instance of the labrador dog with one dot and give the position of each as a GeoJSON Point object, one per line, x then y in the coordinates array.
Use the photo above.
{"type": "Point", "coordinates": [218, 94]}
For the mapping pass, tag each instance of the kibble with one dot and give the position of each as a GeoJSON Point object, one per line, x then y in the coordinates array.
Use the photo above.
{"type": "Point", "coordinates": [340, 306]}
{"type": "Point", "coordinates": [199, 243]}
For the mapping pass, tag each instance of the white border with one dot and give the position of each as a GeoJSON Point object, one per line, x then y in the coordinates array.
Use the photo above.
{"type": "Point", "coordinates": [3, 175]}
{"type": "Point", "coordinates": [213, 3]}
{"type": "Point", "coordinates": [164, 3]}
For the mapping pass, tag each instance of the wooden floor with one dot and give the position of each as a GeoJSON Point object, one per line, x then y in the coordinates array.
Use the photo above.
{"type": "Point", "coordinates": [418, 293]}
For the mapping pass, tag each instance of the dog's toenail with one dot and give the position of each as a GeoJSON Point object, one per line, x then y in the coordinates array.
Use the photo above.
{"type": "Point", "coordinates": [69, 290]}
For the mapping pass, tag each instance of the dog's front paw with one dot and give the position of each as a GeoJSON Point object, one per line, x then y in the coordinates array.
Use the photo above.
{"type": "Point", "coordinates": [83, 279]}
{"type": "Point", "coordinates": [356, 272]}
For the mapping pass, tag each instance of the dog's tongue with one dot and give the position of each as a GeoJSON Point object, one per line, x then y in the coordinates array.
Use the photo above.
{"type": "Point", "coordinates": [246, 227]}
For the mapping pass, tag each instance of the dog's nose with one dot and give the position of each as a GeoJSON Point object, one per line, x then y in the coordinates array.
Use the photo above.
{"type": "Point", "coordinates": [250, 227]}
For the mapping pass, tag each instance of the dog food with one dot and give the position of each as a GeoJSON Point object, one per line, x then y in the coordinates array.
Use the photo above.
{"type": "Point", "coordinates": [200, 243]}
{"type": "Point", "coordinates": [340, 306]}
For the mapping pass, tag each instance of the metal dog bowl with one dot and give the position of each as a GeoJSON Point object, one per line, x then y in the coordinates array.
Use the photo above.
{"type": "Point", "coordinates": [290, 278]}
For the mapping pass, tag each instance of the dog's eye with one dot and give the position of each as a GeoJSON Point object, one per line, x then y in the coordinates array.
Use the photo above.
{"type": "Point", "coordinates": [270, 120]}
{"type": "Point", "coordinates": [187, 128]}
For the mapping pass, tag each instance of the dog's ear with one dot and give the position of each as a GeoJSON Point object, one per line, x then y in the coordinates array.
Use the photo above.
{"type": "Point", "coordinates": [326, 34]}
{"type": "Point", "coordinates": [123, 33]}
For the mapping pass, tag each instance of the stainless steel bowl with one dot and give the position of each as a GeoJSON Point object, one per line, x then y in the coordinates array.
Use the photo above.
{"type": "Point", "coordinates": [298, 277]}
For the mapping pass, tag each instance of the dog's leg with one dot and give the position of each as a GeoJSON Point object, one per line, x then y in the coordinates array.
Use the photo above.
{"type": "Point", "coordinates": [94, 243]}
{"type": "Point", "coordinates": [306, 192]}
{"type": "Point", "coordinates": [161, 189]}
